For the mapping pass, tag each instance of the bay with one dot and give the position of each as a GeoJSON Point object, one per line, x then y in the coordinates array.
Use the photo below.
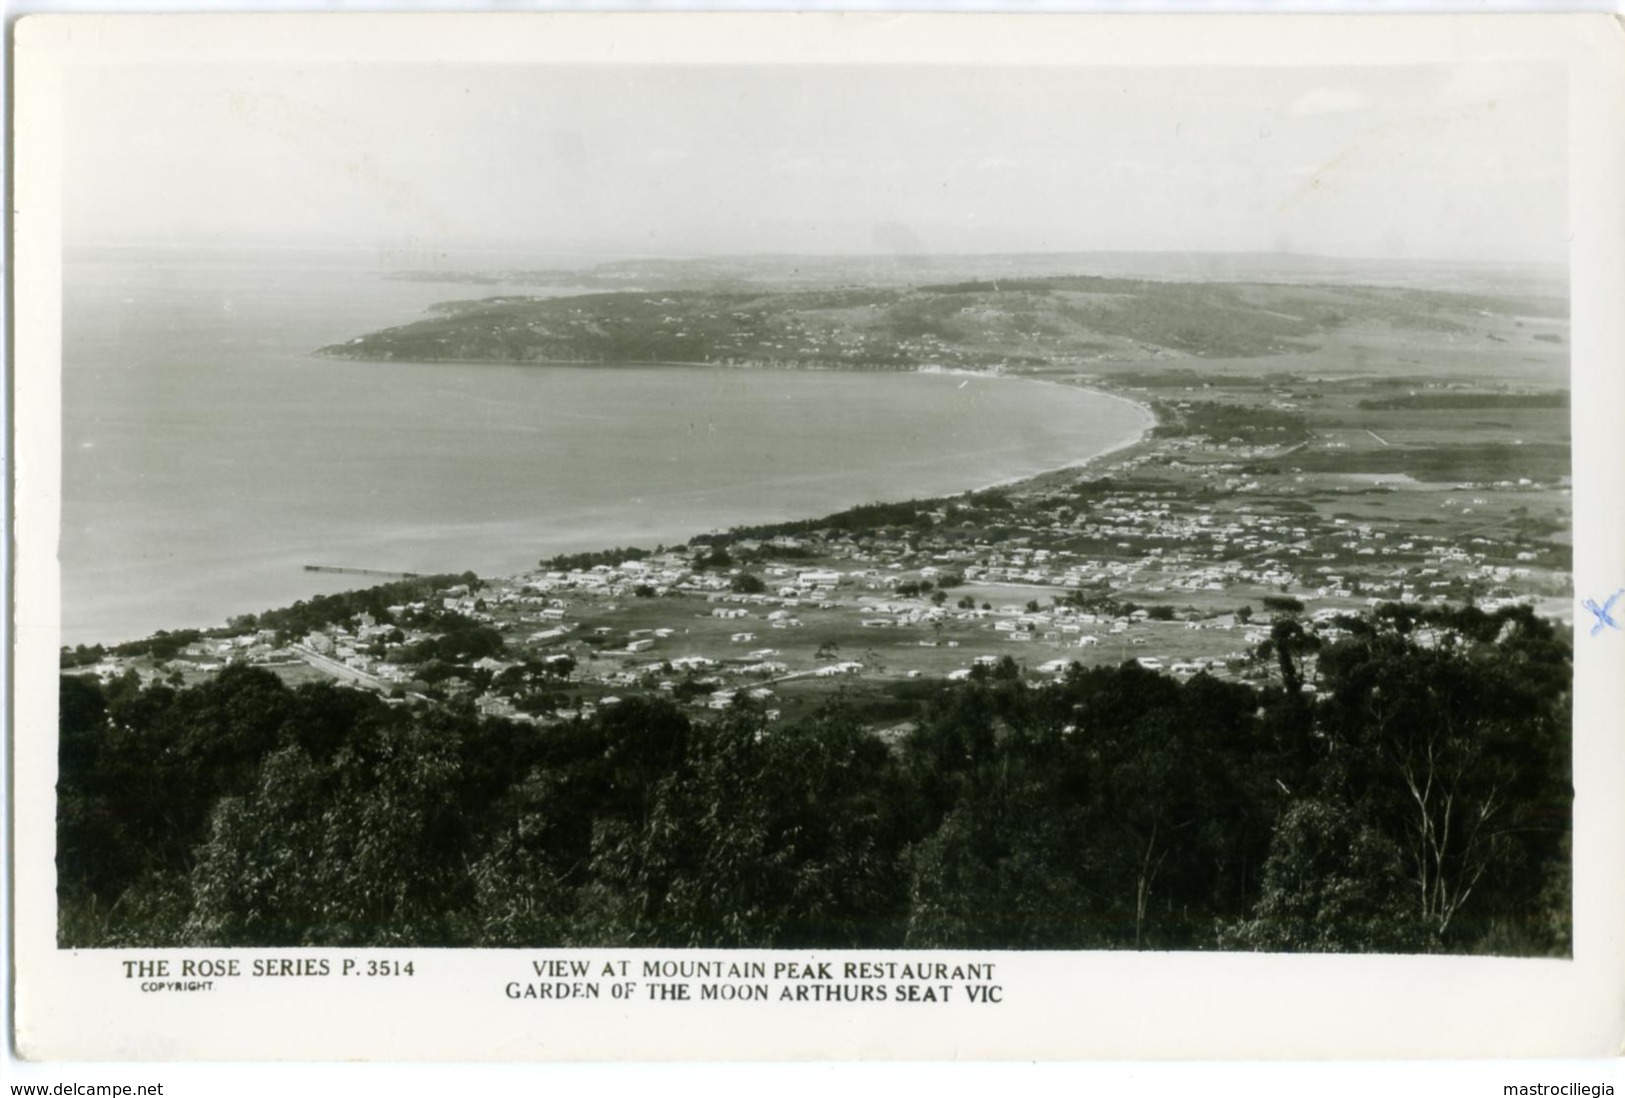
{"type": "Point", "coordinates": [207, 456]}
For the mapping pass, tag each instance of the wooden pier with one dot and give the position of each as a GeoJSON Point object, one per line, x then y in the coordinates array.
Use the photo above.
{"type": "Point", "coordinates": [361, 571]}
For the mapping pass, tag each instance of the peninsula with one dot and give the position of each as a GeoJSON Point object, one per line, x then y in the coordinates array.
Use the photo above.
{"type": "Point", "coordinates": [1071, 322]}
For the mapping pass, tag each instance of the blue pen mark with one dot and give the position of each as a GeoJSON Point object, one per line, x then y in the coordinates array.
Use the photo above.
{"type": "Point", "coordinates": [1604, 613]}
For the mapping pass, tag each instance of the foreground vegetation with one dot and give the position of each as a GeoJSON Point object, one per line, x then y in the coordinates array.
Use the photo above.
{"type": "Point", "coordinates": [1417, 801]}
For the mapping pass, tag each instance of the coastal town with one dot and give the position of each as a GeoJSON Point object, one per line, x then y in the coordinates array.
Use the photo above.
{"type": "Point", "coordinates": [1174, 553]}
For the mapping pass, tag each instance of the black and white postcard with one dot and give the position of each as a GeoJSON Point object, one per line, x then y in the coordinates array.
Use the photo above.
{"type": "Point", "coordinates": [740, 537]}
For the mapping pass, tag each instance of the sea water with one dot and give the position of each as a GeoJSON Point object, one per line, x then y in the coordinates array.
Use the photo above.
{"type": "Point", "coordinates": [208, 455]}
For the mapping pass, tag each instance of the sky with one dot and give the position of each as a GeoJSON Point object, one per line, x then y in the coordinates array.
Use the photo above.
{"type": "Point", "coordinates": [1442, 162]}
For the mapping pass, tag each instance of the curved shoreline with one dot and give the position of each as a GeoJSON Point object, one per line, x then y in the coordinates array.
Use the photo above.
{"type": "Point", "coordinates": [1148, 424]}
{"type": "Point", "coordinates": [1148, 417]}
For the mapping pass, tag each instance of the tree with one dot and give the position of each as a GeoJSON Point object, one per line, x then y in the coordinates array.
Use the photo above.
{"type": "Point", "coordinates": [1448, 732]}
{"type": "Point", "coordinates": [367, 850]}
{"type": "Point", "coordinates": [1289, 643]}
{"type": "Point", "coordinates": [788, 840]}
{"type": "Point", "coordinates": [1283, 605]}
{"type": "Point", "coordinates": [1003, 871]}
{"type": "Point", "coordinates": [954, 738]}
{"type": "Point", "coordinates": [518, 900]}
{"type": "Point", "coordinates": [1331, 883]}
{"type": "Point", "coordinates": [1099, 812]}
{"type": "Point", "coordinates": [690, 689]}
{"type": "Point", "coordinates": [96, 859]}
{"type": "Point", "coordinates": [744, 583]}
{"type": "Point", "coordinates": [1170, 774]}
{"type": "Point", "coordinates": [521, 894]}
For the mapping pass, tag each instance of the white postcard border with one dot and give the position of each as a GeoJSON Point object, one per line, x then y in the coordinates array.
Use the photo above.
{"type": "Point", "coordinates": [84, 1005]}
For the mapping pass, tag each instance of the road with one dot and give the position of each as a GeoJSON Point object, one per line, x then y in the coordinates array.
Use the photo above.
{"type": "Point", "coordinates": [338, 670]}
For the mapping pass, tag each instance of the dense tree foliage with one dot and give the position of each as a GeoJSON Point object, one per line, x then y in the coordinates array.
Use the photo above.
{"type": "Point", "coordinates": [460, 640]}
{"type": "Point", "coordinates": [1416, 799]}
{"type": "Point", "coordinates": [746, 583]}
{"type": "Point", "coordinates": [567, 562]}
{"type": "Point", "coordinates": [329, 609]}
{"type": "Point", "coordinates": [1453, 401]}
{"type": "Point", "coordinates": [1226, 422]}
